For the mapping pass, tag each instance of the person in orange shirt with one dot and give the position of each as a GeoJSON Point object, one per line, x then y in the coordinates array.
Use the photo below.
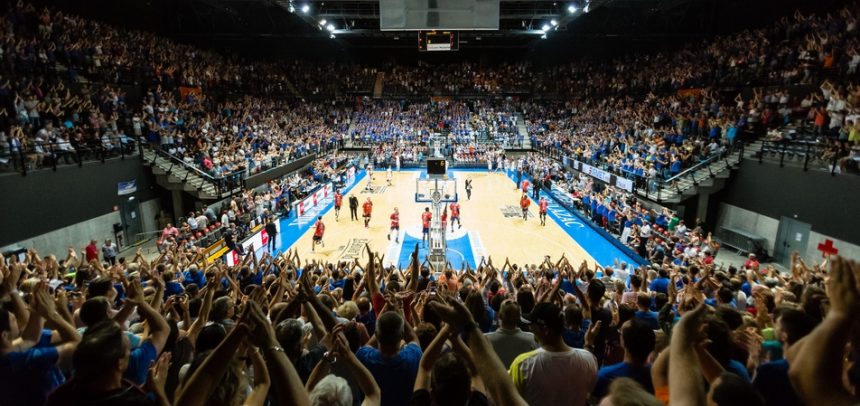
{"type": "Point", "coordinates": [338, 200]}
{"type": "Point", "coordinates": [395, 225]}
{"type": "Point", "coordinates": [425, 225]}
{"type": "Point", "coordinates": [368, 208]}
{"type": "Point", "coordinates": [455, 215]}
{"type": "Point", "coordinates": [544, 204]}
{"type": "Point", "coordinates": [525, 203]}
{"type": "Point", "coordinates": [318, 233]}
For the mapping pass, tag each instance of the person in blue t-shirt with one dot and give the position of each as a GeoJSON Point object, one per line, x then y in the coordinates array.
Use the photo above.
{"type": "Point", "coordinates": [638, 340]}
{"type": "Point", "coordinates": [171, 287]}
{"type": "Point", "coordinates": [195, 276]}
{"type": "Point", "coordinates": [28, 363]}
{"type": "Point", "coordinates": [771, 378]}
{"type": "Point", "coordinates": [393, 367]}
{"type": "Point", "coordinates": [643, 302]}
{"type": "Point", "coordinates": [661, 283]}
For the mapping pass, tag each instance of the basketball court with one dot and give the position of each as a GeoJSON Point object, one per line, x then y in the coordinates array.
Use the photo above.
{"type": "Point", "coordinates": [491, 223]}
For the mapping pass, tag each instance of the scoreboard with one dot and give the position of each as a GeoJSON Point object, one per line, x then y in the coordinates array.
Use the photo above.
{"type": "Point", "coordinates": [438, 41]}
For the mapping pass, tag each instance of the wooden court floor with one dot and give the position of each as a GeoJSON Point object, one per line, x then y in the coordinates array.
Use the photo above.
{"type": "Point", "coordinates": [492, 219]}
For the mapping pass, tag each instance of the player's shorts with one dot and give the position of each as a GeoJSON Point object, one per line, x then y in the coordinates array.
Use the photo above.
{"type": "Point", "coordinates": [366, 215]}
{"type": "Point", "coordinates": [425, 230]}
{"type": "Point", "coordinates": [317, 238]}
{"type": "Point", "coordinates": [525, 210]}
{"type": "Point", "coordinates": [395, 228]}
{"type": "Point", "coordinates": [336, 207]}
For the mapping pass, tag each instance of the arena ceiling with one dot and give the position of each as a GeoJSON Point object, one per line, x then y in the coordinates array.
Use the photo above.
{"type": "Point", "coordinates": [355, 23]}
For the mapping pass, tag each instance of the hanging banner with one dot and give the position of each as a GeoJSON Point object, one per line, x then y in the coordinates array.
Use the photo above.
{"type": "Point", "coordinates": [126, 188]}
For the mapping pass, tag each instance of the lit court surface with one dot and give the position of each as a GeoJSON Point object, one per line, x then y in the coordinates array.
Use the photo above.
{"type": "Point", "coordinates": [491, 222]}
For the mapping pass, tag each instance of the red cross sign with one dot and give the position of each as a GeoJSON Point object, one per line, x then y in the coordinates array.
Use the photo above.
{"type": "Point", "coordinates": [827, 248]}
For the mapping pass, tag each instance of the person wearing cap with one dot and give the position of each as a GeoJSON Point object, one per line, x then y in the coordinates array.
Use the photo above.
{"type": "Point", "coordinates": [554, 374]}
{"type": "Point", "coordinates": [508, 340]}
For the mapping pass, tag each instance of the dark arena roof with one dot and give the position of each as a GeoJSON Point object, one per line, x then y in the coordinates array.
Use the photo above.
{"type": "Point", "coordinates": [430, 202]}
{"type": "Point", "coordinates": [292, 27]}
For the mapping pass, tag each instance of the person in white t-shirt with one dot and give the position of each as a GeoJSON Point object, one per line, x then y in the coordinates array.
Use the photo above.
{"type": "Point", "coordinates": [555, 374]}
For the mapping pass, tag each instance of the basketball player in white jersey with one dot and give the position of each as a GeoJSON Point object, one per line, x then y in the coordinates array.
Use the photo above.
{"type": "Point", "coordinates": [388, 176]}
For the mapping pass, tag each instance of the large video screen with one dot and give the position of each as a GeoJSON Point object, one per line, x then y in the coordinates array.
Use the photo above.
{"type": "Point", "coordinates": [401, 15]}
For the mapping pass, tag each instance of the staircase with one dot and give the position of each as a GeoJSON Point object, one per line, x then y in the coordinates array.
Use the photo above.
{"type": "Point", "coordinates": [706, 177]}
{"type": "Point", "coordinates": [378, 84]}
{"type": "Point", "coordinates": [522, 131]}
{"type": "Point", "coordinates": [348, 140]}
{"type": "Point", "coordinates": [173, 175]}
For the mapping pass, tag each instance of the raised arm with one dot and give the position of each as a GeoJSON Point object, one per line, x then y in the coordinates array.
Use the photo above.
{"type": "Point", "coordinates": [685, 373]}
{"type": "Point", "coordinates": [500, 387]}
{"type": "Point", "coordinates": [816, 360]}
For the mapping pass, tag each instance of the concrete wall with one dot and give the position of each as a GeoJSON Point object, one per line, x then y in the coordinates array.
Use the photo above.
{"type": "Point", "coordinates": [826, 202]}
{"type": "Point", "coordinates": [767, 227]}
{"type": "Point", "coordinates": [44, 200]}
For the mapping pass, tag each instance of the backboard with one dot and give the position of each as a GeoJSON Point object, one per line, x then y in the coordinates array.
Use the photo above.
{"type": "Point", "coordinates": [436, 190]}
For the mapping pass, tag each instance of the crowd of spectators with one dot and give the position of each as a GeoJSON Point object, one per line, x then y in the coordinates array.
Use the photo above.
{"type": "Point", "coordinates": [251, 133]}
{"type": "Point", "coordinates": [277, 329]}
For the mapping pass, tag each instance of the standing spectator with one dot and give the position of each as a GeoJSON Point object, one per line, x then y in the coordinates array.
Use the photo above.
{"type": "Point", "coordinates": [109, 252]}
{"type": "Point", "coordinates": [91, 251]}
{"type": "Point", "coordinates": [28, 367]}
{"type": "Point", "coordinates": [637, 338]}
{"type": "Point", "coordinates": [394, 367]}
{"type": "Point", "coordinates": [554, 374]}
{"type": "Point", "coordinates": [509, 341]}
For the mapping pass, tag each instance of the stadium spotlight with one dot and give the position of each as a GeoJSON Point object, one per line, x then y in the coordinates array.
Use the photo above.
{"type": "Point", "coordinates": [545, 28]}
{"type": "Point", "coordinates": [572, 8]}
{"type": "Point", "coordinates": [322, 22]}
{"type": "Point", "coordinates": [306, 8]}
{"type": "Point", "coordinates": [553, 22]}
{"type": "Point", "coordinates": [330, 27]}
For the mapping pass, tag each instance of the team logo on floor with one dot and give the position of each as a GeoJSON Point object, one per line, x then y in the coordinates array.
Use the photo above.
{"type": "Point", "coordinates": [374, 190]}
{"type": "Point", "coordinates": [512, 212]}
{"type": "Point", "coordinates": [355, 249]}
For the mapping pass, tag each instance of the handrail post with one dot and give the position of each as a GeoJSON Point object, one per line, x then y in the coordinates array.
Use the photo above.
{"type": "Point", "coordinates": [782, 156]}
{"type": "Point", "coordinates": [761, 151]}
{"type": "Point", "coordinates": [806, 158]}
{"type": "Point", "coordinates": [53, 157]}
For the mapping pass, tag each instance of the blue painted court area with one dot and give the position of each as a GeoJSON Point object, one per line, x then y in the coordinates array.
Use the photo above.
{"type": "Point", "coordinates": [290, 233]}
{"type": "Point", "coordinates": [583, 231]}
{"type": "Point", "coordinates": [459, 251]}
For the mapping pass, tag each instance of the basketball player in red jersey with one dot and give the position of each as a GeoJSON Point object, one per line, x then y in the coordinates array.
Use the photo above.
{"type": "Point", "coordinates": [338, 200]}
{"type": "Point", "coordinates": [425, 224]}
{"type": "Point", "coordinates": [444, 219]}
{"type": "Point", "coordinates": [525, 203]}
{"type": "Point", "coordinates": [395, 225]}
{"type": "Point", "coordinates": [525, 186]}
{"type": "Point", "coordinates": [544, 204]}
{"type": "Point", "coordinates": [455, 215]}
{"type": "Point", "coordinates": [368, 208]}
{"type": "Point", "coordinates": [318, 234]}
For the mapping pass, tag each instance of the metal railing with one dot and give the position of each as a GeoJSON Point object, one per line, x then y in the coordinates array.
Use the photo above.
{"type": "Point", "coordinates": [797, 151]}
{"type": "Point", "coordinates": [644, 185]}
{"type": "Point", "coordinates": [225, 183]}
{"type": "Point", "coordinates": [52, 155]}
